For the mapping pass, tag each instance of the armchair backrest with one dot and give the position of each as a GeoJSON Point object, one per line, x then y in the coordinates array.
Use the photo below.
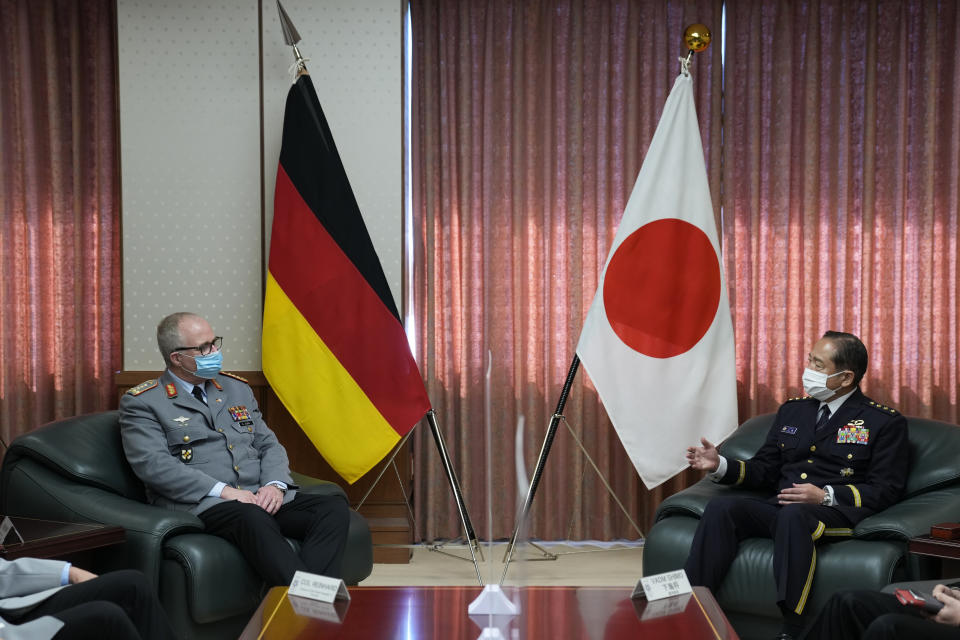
{"type": "Point", "coordinates": [934, 450]}
{"type": "Point", "coordinates": [86, 449]}
{"type": "Point", "coordinates": [748, 438]}
{"type": "Point", "coordinates": [934, 455]}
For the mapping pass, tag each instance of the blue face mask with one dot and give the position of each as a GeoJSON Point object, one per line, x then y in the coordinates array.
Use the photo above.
{"type": "Point", "coordinates": [208, 366]}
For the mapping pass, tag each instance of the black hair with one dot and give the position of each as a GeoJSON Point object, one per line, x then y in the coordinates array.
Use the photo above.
{"type": "Point", "coordinates": [850, 353]}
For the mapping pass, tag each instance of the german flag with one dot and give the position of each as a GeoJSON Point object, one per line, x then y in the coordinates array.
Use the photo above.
{"type": "Point", "coordinates": [334, 349]}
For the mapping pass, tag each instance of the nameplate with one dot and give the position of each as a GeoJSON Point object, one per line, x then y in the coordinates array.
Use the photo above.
{"type": "Point", "coordinates": [314, 587]}
{"type": "Point", "coordinates": [662, 585]}
{"type": "Point", "coordinates": [665, 607]}
{"type": "Point", "coordinates": [320, 610]}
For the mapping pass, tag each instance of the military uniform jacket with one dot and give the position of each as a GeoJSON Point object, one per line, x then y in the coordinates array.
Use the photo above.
{"type": "Point", "coordinates": [180, 448]}
{"type": "Point", "coordinates": [862, 452]}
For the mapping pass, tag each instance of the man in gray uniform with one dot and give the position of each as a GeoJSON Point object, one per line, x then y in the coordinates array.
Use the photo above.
{"type": "Point", "coordinates": [196, 439]}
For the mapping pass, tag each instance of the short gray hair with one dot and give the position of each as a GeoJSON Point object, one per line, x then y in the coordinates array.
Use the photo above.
{"type": "Point", "coordinates": [168, 334]}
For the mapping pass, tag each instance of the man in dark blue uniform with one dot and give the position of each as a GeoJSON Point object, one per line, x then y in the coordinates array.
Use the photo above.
{"type": "Point", "coordinates": [830, 459]}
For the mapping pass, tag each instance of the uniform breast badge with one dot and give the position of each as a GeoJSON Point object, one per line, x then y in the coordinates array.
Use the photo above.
{"type": "Point", "coordinates": [182, 420]}
{"type": "Point", "coordinates": [790, 430]}
{"type": "Point", "coordinates": [186, 454]}
{"type": "Point", "coordinates": [853, 433]}
{"type": "Point", "coordinates": [239, 413]}
{"type": "Point", "coordinates": [846, 472]}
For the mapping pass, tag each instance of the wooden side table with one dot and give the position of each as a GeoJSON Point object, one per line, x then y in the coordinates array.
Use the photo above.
{"type": "Point", "coordinates": [50, 539]}
{"type": "Point", "coordinates": [947, 553]}
{"type": "Point", "coordinates": [930, 546]}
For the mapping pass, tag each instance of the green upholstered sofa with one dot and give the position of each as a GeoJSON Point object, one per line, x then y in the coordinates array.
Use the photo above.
{"type": "Point", "coordinates": [875, 556]}
{"type": "Point", "coordinates": [74, 470]}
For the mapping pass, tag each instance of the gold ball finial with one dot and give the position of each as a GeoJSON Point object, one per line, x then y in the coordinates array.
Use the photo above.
{"type": "Point", "coordinates": [697, 36]}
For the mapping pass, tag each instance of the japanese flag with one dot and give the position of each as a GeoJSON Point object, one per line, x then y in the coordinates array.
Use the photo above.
{"type": "Point", "coordinates": [658, 340]}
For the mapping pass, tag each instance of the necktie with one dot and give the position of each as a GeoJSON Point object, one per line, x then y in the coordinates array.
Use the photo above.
{"type": "Point", "coordinates": [198, 394]}
{"type": "Point", "coordinates": [824, 417]}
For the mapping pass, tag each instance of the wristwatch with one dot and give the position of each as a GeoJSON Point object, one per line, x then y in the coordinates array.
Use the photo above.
{"type": "Point", "coordinates": [826, 501]}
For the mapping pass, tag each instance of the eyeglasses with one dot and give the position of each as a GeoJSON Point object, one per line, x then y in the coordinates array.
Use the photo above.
{"type": "Point", "coordinates": [206, 348]}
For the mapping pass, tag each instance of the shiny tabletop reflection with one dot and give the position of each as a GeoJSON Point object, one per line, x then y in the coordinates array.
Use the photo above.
{"type": "Point", "coordinates": [425, 613]}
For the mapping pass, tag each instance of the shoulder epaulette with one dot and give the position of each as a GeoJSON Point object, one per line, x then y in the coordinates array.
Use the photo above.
{"type": "Point", "coordinates": [882, 407]}
{"type": "Point", "coordinates": [143, 386]}
{"type": "Point", "coordinates": [234, 376]}
{"type": "Point", "coordinates": [799, 398]}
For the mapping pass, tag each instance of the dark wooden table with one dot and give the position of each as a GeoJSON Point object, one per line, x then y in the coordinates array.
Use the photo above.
{"type": "Point", "coordinates": [49, 539]}
{"type": "Point", "coordinates": [428, 613]}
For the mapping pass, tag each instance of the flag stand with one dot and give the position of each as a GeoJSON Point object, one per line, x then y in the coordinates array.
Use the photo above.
{"type": "Point", "coordinates": [457, 493]}
{"type": "Point", "coordinates": [538, 472]}
{"type": "Point", "coordinates": [541, 463]}
{"type": "Point", "coordinates": [451, 474]}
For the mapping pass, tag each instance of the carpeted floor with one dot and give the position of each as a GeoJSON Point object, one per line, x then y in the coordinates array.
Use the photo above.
{"type": "Point", "coordinates": [577, 564]}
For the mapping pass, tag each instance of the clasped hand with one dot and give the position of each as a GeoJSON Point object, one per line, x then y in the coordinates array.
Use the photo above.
{"type": "Point", "coordinates": [804, 493]}
{"type": "Point", "coordinates": [268, 497]}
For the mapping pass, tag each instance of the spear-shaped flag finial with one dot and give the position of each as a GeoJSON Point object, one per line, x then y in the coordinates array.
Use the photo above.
{"type": "Point", "coordinates": [291, 37]}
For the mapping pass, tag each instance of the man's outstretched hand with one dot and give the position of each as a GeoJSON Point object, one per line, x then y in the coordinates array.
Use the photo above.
{"type": "Point", "coordinates": [704, 457]}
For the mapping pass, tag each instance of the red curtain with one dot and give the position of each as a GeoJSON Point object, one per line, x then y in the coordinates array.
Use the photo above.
{"type": "Point", "coordinates": [60, 334]}
{"type": "Point", "coordinates": [841, 173]}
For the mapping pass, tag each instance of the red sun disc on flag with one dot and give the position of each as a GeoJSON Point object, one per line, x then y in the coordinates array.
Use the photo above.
{"type": "Point", "coordinates": [662, 288]}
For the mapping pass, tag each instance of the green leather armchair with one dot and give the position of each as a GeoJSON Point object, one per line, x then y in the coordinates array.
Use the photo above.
{"type": "Point", "coordinates": [875, 556]}
{"type": "Point", "coordinates": [74, 470]}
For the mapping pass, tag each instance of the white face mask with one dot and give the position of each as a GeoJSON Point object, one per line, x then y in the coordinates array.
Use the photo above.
{"type": "Point", "coordinates": [815, 384]}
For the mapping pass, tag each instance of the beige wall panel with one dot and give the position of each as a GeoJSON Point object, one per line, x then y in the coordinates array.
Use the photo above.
{"type": "Point", "coordinates": [189, 118]}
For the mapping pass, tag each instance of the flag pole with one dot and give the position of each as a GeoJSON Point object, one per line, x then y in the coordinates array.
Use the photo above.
{"type": "Point", "coordinates": [541, 462]}
{"type": "Point", "coordinates": [292, 37]}
{"type": "Point", "coordinates": [457, 493]}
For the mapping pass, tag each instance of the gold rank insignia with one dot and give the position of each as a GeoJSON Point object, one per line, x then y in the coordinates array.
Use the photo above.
{"type": "Point", "coordinates": [846, 472]}
{"type": "Point", "coordinates": [143, 386]}
{"type": "Point", "coordinates": [234, 376]}
{"type": "Point", "coordinates": [186, 454]}
{"type": "Point", "coordinates": [882, 407]}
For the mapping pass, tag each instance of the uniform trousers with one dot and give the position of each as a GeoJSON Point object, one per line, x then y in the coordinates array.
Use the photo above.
{"type": "Point", "coordinates": [871, 615]}
{"type": "Point", "coordinates": [319, 523]}
{"type": "Point", "coordinates": [119, 604]}
{"type": "Point", "coordinates": [795, 529]}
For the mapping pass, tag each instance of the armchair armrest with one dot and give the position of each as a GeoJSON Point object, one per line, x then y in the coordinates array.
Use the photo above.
{"type": "Point", "coordinates": [315, 486]}
{"type": "Point", "coordinates": [911, 517]}
{"type": "Point", "coordinates": [693, 500]}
